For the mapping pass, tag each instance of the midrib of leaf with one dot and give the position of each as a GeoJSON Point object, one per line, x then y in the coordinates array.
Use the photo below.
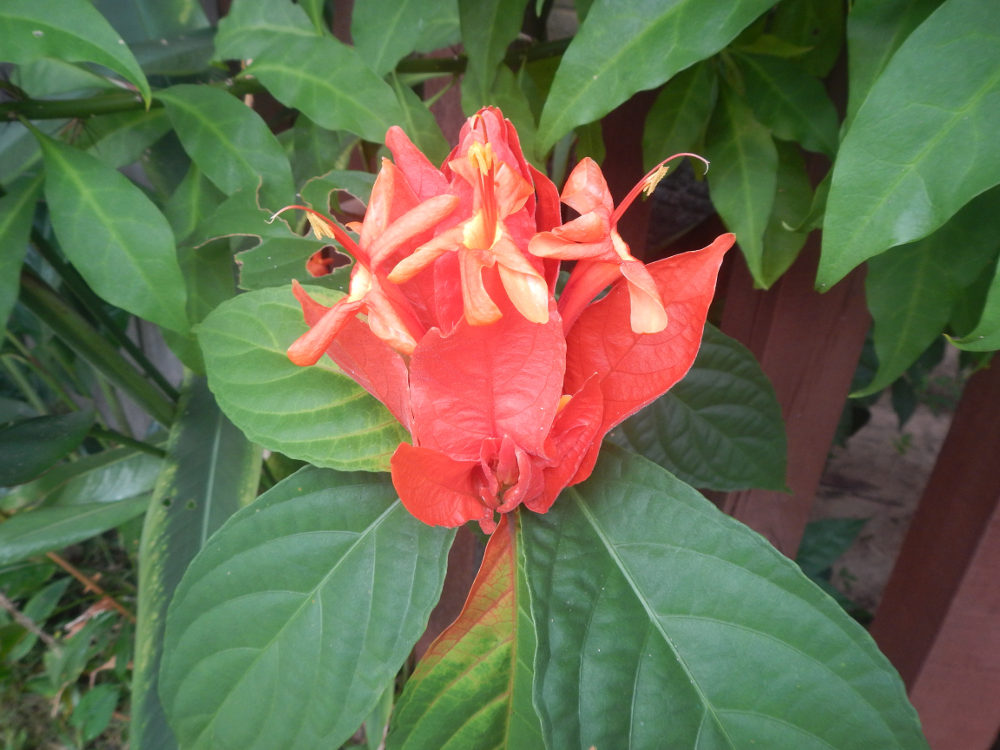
{"type": "Point", "coordinates": [942, 132]}
{"type": "Point", "coordinates": [336, 93]}
{"type": "Point", "coordinates": [782, 96]}
{"type": "Point", "coordinates": [87, 197]}
{"type": "Point", "coordinates": [653, 619]}
{"type": "Point", "coordinates": [210, 479]}
{"type": "Point", "coordinates": [212, 126]}
{"type": "Point", "coordinates": [623, 569]}
{"type": "Point", "coordinates": [387, 32]}
{"type": "Point", "coordinates": [306, 598]}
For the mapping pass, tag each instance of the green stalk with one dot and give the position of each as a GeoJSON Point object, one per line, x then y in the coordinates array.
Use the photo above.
{"type": "Point", "coordinates": [80, 336]}
{"type": "Point", "coordinates": [22, 383]}
{"type": "Point", "coordinates": [104, 433]}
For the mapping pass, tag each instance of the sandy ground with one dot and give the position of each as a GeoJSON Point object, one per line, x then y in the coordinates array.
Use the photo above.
{"type": "Point", "coordinates": [879, 475]}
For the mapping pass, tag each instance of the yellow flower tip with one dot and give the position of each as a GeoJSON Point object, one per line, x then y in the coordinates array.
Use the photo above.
{"type": "Point", "coordinates": [320, 227]}
{"type": "Point", "coordinates": [563, 401]}
{"type": "Point", "coordinates": [651, 181]}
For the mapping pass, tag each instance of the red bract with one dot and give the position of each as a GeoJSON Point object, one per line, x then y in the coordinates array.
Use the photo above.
{"type": "Point", "coordinates": [452, 322]}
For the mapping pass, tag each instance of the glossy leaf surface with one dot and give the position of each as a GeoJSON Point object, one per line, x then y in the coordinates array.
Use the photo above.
{"type": "Point", "coordinates": [386, 31]}
{"type": "Point", "coordinates": [676, 122]}
{"type": "Point", "coordinates": [622, 49]}
{"type": "Point", "coordinates": [663, 621]}
{"type": "Point", "coordinates": [933, 105]}
{"type": "Point", "coordinates": [912, 290]}
{"type": "Point", "coordinates": [297, 613]}
{"type": "Point", "coordinates": [743, 176]}
{"type": "Point", "coordinates": [231, 144]}
{"type": "Point", "coordinates": [296, 65]}
{"type": "Point", "coordinates": [316, 414]}
{"type": "Point", "coordinates": [114, 235]}
{"type": "Point", "coordinates": [210, 472]}
{"type": "Point", "coordinates": [472, 689]}
{"type": "Point", "coordinates": [30, 446]}
{"type": "Point", "coordinates": [488, 27]}
{"type": "Point", "coordinates": [719, 428]}
{"type": "Point", "coordinates": [33, 532]}
{"type": "Point", "coordinates": [73, 31]}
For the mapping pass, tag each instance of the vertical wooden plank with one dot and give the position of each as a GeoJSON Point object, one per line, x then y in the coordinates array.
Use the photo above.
{"type": "Point", "coordinates": [939, 619]}
{"type": "Point", "coordinates": [808, 344]}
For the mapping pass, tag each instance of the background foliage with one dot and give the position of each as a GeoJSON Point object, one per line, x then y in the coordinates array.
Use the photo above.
{"type": "Point", "coordinates": [137, 186]}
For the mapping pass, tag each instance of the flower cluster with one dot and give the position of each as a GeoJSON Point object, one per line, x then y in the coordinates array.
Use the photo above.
{"type": "Point", "coordinates": [452, 322]}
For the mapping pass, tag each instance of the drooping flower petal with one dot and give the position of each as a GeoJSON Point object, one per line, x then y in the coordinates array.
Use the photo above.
{"type": "Point", "coordinates": [436, 488]}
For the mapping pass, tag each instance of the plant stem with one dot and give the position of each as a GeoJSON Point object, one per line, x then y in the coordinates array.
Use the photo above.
{"type": "Point", "coordinates": [81, 337]}
{"type": "Point", "coordinates": [90, 585]}
{"type": "Point", "coordinates": [27, 623]}
{"type": "Point", "coordinates": [22, 382]}
{"type": "Point", "coordinates": [106, 433]}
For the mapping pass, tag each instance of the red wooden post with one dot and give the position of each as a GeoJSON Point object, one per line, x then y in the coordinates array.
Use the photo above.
{"type": "Point", "coordinates": [808, 344]}
{"type": "Point", "coordinates": [939, 619]}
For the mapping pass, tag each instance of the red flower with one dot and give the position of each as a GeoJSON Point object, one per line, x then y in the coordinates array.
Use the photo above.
{"type": "Point", "coordinates": [506, 392]}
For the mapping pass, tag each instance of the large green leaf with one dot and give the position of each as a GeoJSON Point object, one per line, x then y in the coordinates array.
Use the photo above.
{"type": "Point", "coordinates": [67, 30]}
{"type": "Point", "coordinates": [104, 477]}
{"type": "Point", "coordinates": [419, 123]}
{"type": "Point", "coordinates": [488, 27]}
{"type": "Point", "coordinates": [985, 336]}
{"type": "Point", "coordinates": [231, 144]}
{"type": "Point", "coordinates": [814, 25]}
{"type": "Point", "coordinates": [153, 19]}
{"type": "Point", "coordinates": [912, 289]}
{"type": "Point", "coordinates": [114, 235]}
{"type": "Point", "coordinates": [30, 446]}
{"type": "Point", "coordinates": [719, 428]}
{"type": "Point", "coordinates": [472, 689]}
{"type": "Point", "coordinates": [316, 413]}
{"type": "Point", "coordinates": [211, 472]}
{"type": "Point", "coordinates": [875, 29]}
{"type": "Point", "coordinates": [386, 31]}
{"type": "Point", "coordinates": [743, 176]}
{"type": "Point", "coordinates": [17, 209]}
{"type": "Point", "coordinates": [624, 48]}
{"type": "Point", "coordinates": [922, 144]}
{"type": "Point", "coordinates": [792, 103]}
{"type": "Point", "coordinates": [663, 621]}
{"type": "Point", "coordinates": [297, 613]}
{"type": "Point", "coordinates": [785, 234]}
{"type": "Point", "coordinates": [676, 122]}
{"type": "Point", "coordinates": [121, 138]}
{"type": "Point", "coordinates": [296, 65]}
{"type": "Point", "coordinates": [36, 531]}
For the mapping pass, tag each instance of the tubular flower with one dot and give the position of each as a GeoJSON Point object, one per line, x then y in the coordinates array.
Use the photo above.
{"type": "Point", "coordinates": [452, 322]}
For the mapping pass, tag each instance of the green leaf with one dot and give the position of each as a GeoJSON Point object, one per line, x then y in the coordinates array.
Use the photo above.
{"type": "Point", "coordinates": [472, 689]}
{"type": "Point", "coordinates": [676, 122]}
{"type": "Point", "coordinates": [743, 177]}
{"type": "Point", "coordinates": [912, 290]}
{"type": "Point", "coordinates": [30, 446]}
{"type": "Point", "coordinates": [622, 49]}
{"type": "Point", "coordinates": [153, 19]}
{"type": "Point", "coordinates": [17, 209]}
{"type": "Point", "coordinates": [817, 25]}
{"type": "Point", "coordinates": [211, 471]}
{"type": "Point", "coordinates": [38, 609]}
{"type": "Point", "coordinates": [231, 144]}
{"type": "Point", "coordinates": [114, 235]}
{"type": "Point", "coordinates": [875, 30]}
{"type": "Point", "coordinates": [48, 77]}
{"type": "Point", "coordinates": [191, 203]}
{"type": "Point", "coordinates": [66, 30]}
{"type": "Point", "coordinates": [297, 613]}
{"type": "Point", "coordinates": [792, 103]}
{"type": "Point", "coordinates": [33, 532]}
{"type": "Point", "coordinates": [419, 124]}
{"type": "Point", "coordinates": [316, 192]}
{"type": "Point", "coordinates": [93, 713]}
{"type": "Point", "coordinates": [121, 138]}
{"type": "Point", "coordinates": [664, 621]}
{"type": "Point", "coordinates": [104, 477]}
{"type": "Point", "coordinates": [188, 54]}
{"type": "Point", "coordinates": [922, 144]}
{"type": "Point", "coordinates": [792, 203]}
{"type": "Point", "coordinates": [386, 31]}
{"type": "Point", "coordinates": [488, 27]}
{"type": "Point", "coordinates": [719, 428]}
{"type": "Point", "coordinates": [985, 336]}
{"type": "Point", "coordinates": [316, 414]}
{"type": "Point", "coordinates": [294, 63]}
{"type": "Point", "coordinates": [316, 150]}
{"type": "Point", "coordinates": [824, 541]}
